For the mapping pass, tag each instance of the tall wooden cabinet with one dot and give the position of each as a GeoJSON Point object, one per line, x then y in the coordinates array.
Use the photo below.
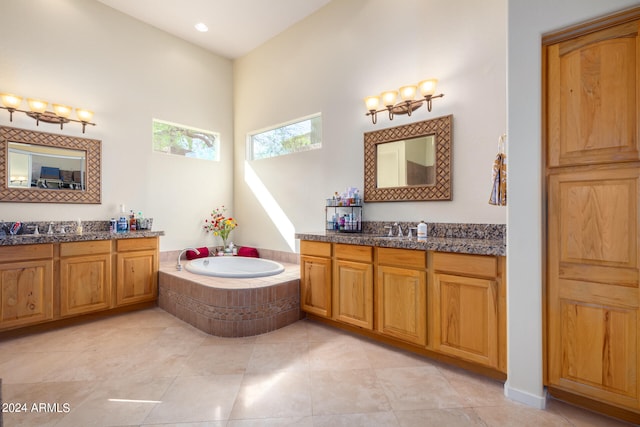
{"type": "Point", "coordinates": [137, 267]}
{"type": "Point", "coordinates": [592, 90]}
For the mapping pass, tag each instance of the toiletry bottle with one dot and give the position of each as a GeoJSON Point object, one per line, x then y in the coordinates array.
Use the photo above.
{"type": "Point", "coordinates": [132, 221]}
{"type": "Point", "coordinates": [113, 224]}
{"type": "Point", "coordinates": [79, 227]}
{"type": "Point", "coordinates": [422, 231]}
{"type": "Point", "coordinates": [123, 223]}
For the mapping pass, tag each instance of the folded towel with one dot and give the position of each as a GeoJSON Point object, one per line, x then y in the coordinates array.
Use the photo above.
{"type": "Point", "coordinates": [248, 252]}
{"type": "Point", "coordinates": [204, 252]}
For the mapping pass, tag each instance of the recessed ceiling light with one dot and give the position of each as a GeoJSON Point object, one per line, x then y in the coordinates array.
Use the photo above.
{"type": "Point", "coordinates": [201, 27]}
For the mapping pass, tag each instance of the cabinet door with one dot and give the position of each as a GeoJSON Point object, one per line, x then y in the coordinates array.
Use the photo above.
{"type": "Point", "coordinates": [401, 304]}
{"type": "Point", "coordinates": [26, 290]}
{"type": "Point", "coordinates": [592, 97]}
{"type": "Point", "coordinates": [137, 277]}
{"type": "Point", "coordinates": [85, 284]}
{"type": "Point", "coordinates": [593, 277]}
{"type": "Point", "coordinates": [466, 318]}
{"type": "Point", "coordinates": [315, 285]}
{"type": "Point", "coordinates": [353, 293]}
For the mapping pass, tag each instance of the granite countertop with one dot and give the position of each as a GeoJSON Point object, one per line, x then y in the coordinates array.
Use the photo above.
{"type": "Point", "coordinates": [30, 239]}
{"type": "Point", "coordinates": [439, 244]}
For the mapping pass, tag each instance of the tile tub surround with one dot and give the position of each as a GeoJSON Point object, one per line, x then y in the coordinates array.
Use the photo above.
{"type": "Point", "coordinates": [228, 307]}
{"type": "Point", "coordinates": [479, 239]}
{"type": "Point", "coordinates": [91, 230]}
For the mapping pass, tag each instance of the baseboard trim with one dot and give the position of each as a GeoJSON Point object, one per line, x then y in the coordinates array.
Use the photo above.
{"type": "Point", "coordinates": [529, 399]}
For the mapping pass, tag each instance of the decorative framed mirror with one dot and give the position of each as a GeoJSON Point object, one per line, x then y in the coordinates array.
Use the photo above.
{"type": "Point", "coordinates": [409, 162]}
{"type": "Point", "coordinates": [40, 167]}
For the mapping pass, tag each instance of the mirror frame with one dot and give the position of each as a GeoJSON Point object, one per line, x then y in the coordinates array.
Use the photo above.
{"type": "Point", "coordinates": [441, 128]}
{"type": "Point", "coordinates": [93, 148]}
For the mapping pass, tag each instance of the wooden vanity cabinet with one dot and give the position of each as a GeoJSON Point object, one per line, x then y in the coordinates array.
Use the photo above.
{"type": "Point", "coordinates": [26, 285]}
{"type": "Point", "coordinates": [401, 294]}
{"type": "Point", "coordinates": [315, 277]}
{"type": "Point", "coordinates": [353, 285]}
{"type": "Point", "coordinates": [85, 277]}
{"type": "Point", "coordinates": [465, 316]}
{"type": "Point", "coordinates": [136, 270]}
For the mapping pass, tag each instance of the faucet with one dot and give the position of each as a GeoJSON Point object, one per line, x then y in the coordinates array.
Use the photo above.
{"type": "Point", "coordinates": [178, 265]}
{"type": "Point", "coordinates": [399, 229]}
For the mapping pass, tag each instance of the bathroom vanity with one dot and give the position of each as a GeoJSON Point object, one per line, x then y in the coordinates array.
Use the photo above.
{"type": "Point", "coordinates": [46, 278]}
{"type": "Point", "coordinates": [444, 297]}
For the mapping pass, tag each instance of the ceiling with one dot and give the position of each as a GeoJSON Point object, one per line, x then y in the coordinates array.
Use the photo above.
{"type": "Point", "coordinates": [235, 26]}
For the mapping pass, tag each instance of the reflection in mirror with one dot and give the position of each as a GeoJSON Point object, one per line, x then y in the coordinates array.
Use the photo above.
{"type": "Point", "coordinates": [45, 167]}
{"type": "Point", "coordinates": [406, 162]}
{"type": "Point", "coordinates": [409, 162]}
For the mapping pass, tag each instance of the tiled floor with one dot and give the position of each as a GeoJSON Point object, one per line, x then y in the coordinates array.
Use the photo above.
{"type": "Point", "coordinates": [150, 369]}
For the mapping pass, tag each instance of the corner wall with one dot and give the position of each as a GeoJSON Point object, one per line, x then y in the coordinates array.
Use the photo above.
{"type": "Point", "coordinates": [328, 63]}
{"type": "Point", "coordinates": [85, 54]}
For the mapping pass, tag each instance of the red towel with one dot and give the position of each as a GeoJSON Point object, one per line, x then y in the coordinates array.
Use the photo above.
{"type": "Point", "coordinates": [204, 252]}
{"type": "Point", "coordinates": [249, 252]}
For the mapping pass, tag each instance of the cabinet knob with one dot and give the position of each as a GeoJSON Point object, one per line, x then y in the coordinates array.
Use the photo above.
{"type": "Point", "coordinates": [32, 306]}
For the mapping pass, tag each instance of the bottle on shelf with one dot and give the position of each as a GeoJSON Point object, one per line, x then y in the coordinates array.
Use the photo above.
{"type": "Point", "coordinates": [132, 221]}
{"type": "Point", "coordinates": [123, 222]}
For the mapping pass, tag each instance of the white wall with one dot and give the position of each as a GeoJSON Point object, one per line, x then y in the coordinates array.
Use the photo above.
{"type": "Point", "coordinates": [328, 63]}
{"type": "Point", "coordinates": [527, 22]}
{"type": "Point", "coordinates": [87, 55]}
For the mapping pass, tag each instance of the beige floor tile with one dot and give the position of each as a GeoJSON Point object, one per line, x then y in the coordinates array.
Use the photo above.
{"type": "Point", "coordinates": [295, 332]}
{"type": "Point", "coordinates": [383, 356]}
{"type": "Point", "coordinates": [372, 419]}
{"type": "Point", "coordinates": [514, 414]}
{"type": "Point", "coordinates": [34, 367]}
{"type": "Point", "coordinates": [116, 402]}
{"type": "Point", "coordinates": [418, 388]}
{"type": "Point", "coordinates": [197, 399]}
{"type": "Point", "coordinates": [285, 356]}
{"type": "Point", "coordinates": [459, 417]}
{"type": "Point", "coordinates": [347, 392]}
{"type": "Point", "coordinates": [338, 354]}
{"type": "Point", "coordinates": [221, 359]}
{"type": "Point", "coordinates": [274, 422]}
{"type": "Point", "coordinates": [279, 394]}
{"type": "Point", "coordinates": [477, 390]}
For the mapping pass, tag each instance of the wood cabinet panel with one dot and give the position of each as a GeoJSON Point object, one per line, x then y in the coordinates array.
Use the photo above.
{"type": "Point", "coordinates": [85, 248]}
{"type": "Point", "coordinates": [85, 284]}
{"type": "Point", "coordinates": [353, 252]}
{"type": "Point", "coordinates": [26, 252]}
{"type": "Point", "coordinates": [474, 265]}
{"type": "Point", "coordinates": [315, 285]}
{"type": "Point", "coordinates": [26, 293]}
{"type": "Point", "coordinates": [137, 244]}
{"type": "Point", "coordinates": [312, 248]}
{"type": "Point", "coordinates": [401, 303]}
{"type": "Point", "coordinates": [402, 257]}
{"type": "Point", "coordinates": [137, 277]}
{"type": "Point", "coordinates": [592, 95]}
{"type": "Point", "coordinates": [353, 293]}
{"type": "Point", "coordinates": [465, 318]}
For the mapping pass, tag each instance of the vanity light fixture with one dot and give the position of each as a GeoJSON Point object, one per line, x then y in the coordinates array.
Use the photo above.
{"type": "Point", "coordinates": [38, 111]}
{"type": "Point", "coordinates": [408, 103]}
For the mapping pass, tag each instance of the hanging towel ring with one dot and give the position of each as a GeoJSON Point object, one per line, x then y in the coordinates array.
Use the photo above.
{"type": "Point", "coordinates": [502, 143]}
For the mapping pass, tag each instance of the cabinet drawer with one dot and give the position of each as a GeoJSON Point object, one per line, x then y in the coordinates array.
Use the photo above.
{"type": "Point", "coordinates": [473, 265]}
{"type": "Point", "coordinates": [308, 247]}
{"type": "Point", "coordinates": [138, 244]}
{"type": "Point", "coordinates": [26, 252]}
{"type": "Point", "coordinates": [85, 248]}
{"type": "Point", "coordinates": [402, 257]}
{"type": "Point", "coordinates": [354, 252]}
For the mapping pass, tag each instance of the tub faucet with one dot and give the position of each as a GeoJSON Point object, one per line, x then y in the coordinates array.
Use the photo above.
{"type": "Point", "coordinates": [178, 265]}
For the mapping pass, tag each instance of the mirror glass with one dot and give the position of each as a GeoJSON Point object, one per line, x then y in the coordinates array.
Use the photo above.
{"type": "Point", "coordinates": [409, 162]}
{"type": "Point", "coordinates": [50, 168]}
{"type": "Point", "coordinates": [44, 167]}
{"type": "Point", "coordinates": [406, 162]}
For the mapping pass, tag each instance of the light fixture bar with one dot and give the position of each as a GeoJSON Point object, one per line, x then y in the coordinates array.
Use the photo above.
{"type": "Point", "coordinates": [407, 105]}
{"type": "Point", "coordinates": [38, 111]}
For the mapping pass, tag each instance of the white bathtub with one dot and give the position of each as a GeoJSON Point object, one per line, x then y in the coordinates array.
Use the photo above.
{"type": "Point", "coordinates": [234, 266]}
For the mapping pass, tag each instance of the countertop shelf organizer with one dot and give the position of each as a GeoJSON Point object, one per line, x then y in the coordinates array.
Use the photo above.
{"type": "Point", "coordinates": [343, 217]}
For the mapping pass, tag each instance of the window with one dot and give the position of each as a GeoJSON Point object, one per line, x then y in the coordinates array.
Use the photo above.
{"type": "Point", "coordinates": [293, 137]}
{"type": "Point", "coordinates": [185, 141]}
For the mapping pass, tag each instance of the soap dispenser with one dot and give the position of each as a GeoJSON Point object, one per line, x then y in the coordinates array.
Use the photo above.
{"type": "Point", "coordinates": [422, 231]}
